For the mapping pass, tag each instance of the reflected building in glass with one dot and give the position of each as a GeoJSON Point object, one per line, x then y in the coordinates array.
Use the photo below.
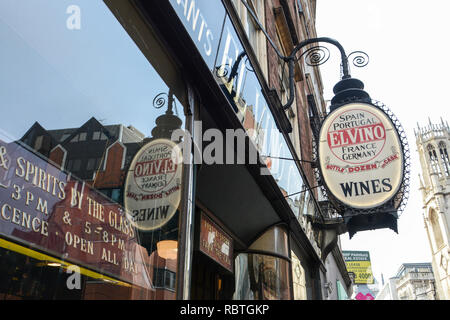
{"type": "Point", "coordinates": [95, 202]}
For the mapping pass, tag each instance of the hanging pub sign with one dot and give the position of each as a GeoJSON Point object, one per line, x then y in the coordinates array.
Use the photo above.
{"type": "Point", "coordinates": [153, 185]}
{"type": "Point", "coordinates": [361, 157]}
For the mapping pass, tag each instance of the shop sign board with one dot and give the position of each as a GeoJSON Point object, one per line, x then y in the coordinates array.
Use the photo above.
{"type": "Point", "coordinates": [360, 155]}
{"type": "Point", "coordinates": [153, 185]}
{"type": "Point", "coordinates": [46, 209]}
{"type": "Point", "coordinates": [215, 243]}
{"type": "Point", "coordinates": [358, 263]}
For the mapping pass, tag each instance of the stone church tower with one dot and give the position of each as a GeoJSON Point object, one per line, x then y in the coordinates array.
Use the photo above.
{"type": "Point", "coordinates": [433, 144]}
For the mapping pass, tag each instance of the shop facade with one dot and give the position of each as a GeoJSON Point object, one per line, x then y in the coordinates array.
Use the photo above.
{"type": "Point", "coordinates": [146, 156]}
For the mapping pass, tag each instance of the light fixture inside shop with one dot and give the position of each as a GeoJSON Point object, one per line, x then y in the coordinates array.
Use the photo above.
{"type": "Point", "coordinates": [167, 249]}
{"type": "Point", "coordinates": [54, 264]}
{"type": "Point", "coordinates": [46, 263]}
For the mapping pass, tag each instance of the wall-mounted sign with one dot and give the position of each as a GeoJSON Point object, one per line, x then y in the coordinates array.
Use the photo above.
{"type": "Point", "coordinates": [358, 263]}
{"type": "Point", "coordinates": [215, 243]}
{"type": "Point", "coordinates": [360, 156]}
{"type": "Point", "coordinates": [153, 185]}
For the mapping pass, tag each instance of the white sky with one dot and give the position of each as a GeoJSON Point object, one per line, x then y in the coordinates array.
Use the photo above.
{"type": "Point", "coordinates": [408, 45]}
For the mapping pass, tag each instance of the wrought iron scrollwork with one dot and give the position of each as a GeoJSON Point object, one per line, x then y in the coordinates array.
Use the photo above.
{"type": "Point", "coordinates": [165, 99]}
{"type": "Point", "coordinates": [160, 100]}
{"type": "Point", "coordinates": [360, 58]}
{"type": "Point", "coordinates": [402, 196]}
{"type": "Point", "coordinates": [316, 55]}
{"type": "Point", "coordinates": [248, 66]}
{"type": "Point", "coordinates": [223, 70]}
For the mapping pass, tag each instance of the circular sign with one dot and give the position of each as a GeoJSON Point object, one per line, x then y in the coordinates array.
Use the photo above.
{"type": "Point", "coordinates": [360, 156]}
{"type": "Point", "coordinates": [153, 185]}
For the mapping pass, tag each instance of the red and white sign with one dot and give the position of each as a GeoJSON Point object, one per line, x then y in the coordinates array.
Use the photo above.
{"type": "Point", "coordinates": [356, 136]}
{"type": "Point", "coordinates": [153, 185]}
{"type": "Point", "coordinates": [360, 155]}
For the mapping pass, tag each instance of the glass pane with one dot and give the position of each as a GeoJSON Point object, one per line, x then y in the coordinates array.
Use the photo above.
{"type": "Point", "coordinates": [298, 278]}
{"type": "Point", "coordinates": [80, 102]}
{"type": "Point", "coordinates": [261, 277]}
{"type": "Point", "coordinates": [274, 240]}
{"type": "Point", "coordinates": [224, 54]}
{"type": "Point", "coordinates": [238, 80]}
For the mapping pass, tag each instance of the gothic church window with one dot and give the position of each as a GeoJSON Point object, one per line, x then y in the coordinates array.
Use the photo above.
{"type": "Point", "coordinates": [444, 157]}
{"type": "Point", "coordinates": [434, 162]}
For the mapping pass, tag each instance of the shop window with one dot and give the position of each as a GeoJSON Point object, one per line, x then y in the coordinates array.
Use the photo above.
{"type": "Point", "coordinates": [298, 278]}
{"type": "Point", "coordinates": [113, 194]}
{"type": "Point", "coordinates": [273, 241]}
{"type": "Point", "coordinates": [98, 78]}
{"type": "Point", "coordinates": [341, 292]}
{"type": "Point", "coordinates": [263, 276]}
{"type": "Point", "coordinates": [237, 78]}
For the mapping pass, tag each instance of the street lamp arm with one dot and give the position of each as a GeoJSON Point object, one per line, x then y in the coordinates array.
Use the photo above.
{"type": "Point", "coordinates": [291, 63]}
{"type": "Point", "coordinates": [344, 59]}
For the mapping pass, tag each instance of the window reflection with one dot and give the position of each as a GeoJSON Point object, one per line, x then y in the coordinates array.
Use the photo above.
{"type": "Point", "coordinates": [80, 106]}
{"type": "Point", "coordinates": [261, 277]}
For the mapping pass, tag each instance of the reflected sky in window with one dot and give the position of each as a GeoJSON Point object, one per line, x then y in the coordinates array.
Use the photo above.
{"type": "Point", "coordinates": [61, 77]}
